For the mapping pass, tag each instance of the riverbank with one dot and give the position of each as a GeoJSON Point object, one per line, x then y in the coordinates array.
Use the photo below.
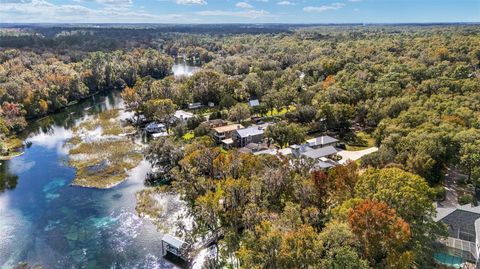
{"type": "Point", "coordinates": [12, 146]}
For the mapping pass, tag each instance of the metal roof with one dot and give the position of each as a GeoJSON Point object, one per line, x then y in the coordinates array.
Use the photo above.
{"type": "Point", "coordinates": [253, 102]}
{"type": "Point", "coordinates": [322, 140]}
{"type": "Point", "coordinates": [227, 141]}
{"type": "Point", "coordinates": [227, 128]}
{"type": "Point", "coordinates": [250, 131]}
{"type": "Point", "coordinates": [180, 114]}
{"type": "Point", "coordinates": [173, 241]}
{"type": "Point", "coordinates": [320, 152]}
{"type": "Point", "coordinates": [461, 224]}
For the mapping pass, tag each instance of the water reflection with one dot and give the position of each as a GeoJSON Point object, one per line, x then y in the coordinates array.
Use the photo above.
{"type": "Point", "coordinates": [184, 69]}
{"type": "Point", "coordinates": [8, 180]}
{"type": "Point", "coordinates": [44, 220]}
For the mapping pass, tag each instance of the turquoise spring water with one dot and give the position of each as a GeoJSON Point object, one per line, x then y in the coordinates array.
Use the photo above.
{"type": "Point", "coordinates": [44, 220]}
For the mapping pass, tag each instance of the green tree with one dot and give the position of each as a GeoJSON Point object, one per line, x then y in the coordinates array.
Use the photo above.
{"type": "Point", "coordinates": [239, 112]}
{"type": "Point", "coordinates": [412, 199]}
{"type": "Point", "coordinates": [286, 134]}
{"type": "Point", "coordinates": [161, 110]}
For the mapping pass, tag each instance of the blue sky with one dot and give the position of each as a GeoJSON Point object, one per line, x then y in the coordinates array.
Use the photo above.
{"type": "Point", "coordinates": [240, 11]}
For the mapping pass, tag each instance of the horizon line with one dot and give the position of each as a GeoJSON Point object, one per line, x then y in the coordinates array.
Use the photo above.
{"type": "Point", "coordinates": [244, 23]}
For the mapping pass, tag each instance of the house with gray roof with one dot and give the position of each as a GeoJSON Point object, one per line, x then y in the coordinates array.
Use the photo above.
{"type": "Point", "coordinates": [318, 153]}
{"type": "Point", "coordinates": [245, 136]}
{"type": "Point", "coordinates": [462, 245]}
{"type": "Point", "coordinates": [322, 141]}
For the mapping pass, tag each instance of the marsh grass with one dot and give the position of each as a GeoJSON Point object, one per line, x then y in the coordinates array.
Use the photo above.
{"type": "Point", "coordinates": [104, 162]}
{"type": "Point", "coordinates": [13, 146]}
{"type": "Point", "coordinates": [146, 205]}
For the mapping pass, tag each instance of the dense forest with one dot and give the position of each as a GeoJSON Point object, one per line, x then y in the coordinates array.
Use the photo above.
{"type": "Point", "coordinates": [414, 89]}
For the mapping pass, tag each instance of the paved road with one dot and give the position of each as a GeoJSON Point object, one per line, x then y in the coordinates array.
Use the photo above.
{"type": "Point", "coordinates": [452, 188]}
{"type": "Point", "coordinates": [354, 155]}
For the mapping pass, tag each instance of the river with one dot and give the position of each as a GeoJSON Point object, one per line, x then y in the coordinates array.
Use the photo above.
{"type": "Point", "coordinates": [44, 220]}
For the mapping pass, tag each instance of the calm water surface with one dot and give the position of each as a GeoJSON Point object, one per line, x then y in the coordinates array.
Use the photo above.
{"type": "Point", "coordinates": [183, 68]}
{"type": "Point", "coordinates": [44, 220]}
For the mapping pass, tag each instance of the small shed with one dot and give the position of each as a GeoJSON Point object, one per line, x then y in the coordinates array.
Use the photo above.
{"type": "Point", "coordinates": [174, 246]}
{"type": "Point", "coordinates": [194, 105]}
{"type": "Point", "coordinates": [253, 103]}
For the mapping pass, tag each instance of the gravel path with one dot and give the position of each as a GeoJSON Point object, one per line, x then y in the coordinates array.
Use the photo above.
{"type": "Point", "coordinates": [354, 155]}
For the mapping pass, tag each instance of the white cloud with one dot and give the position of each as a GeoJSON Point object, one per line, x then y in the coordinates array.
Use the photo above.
{"type": "Point", "coordinates": [108, 2]}
{"type": "Point", "coordinates": [250, 14]}
{"type": "Point", "coordinates": [191, 2]}
{"type": "Point", "coordinates": [285, 3]}
{"type": "Point", "coordinates": [243, 5]}
{"type": "Point", "coordinates": [44, 11]}
{"type": "Point", "coordinates": [323, 8]}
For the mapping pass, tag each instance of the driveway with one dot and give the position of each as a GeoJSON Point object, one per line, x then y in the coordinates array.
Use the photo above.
{"type": "Point", "coordinates": [354, 155]}
{"type": "Point", "coordinates": [452, 187]}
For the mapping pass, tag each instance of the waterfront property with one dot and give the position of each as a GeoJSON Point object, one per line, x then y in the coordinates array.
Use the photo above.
{"type": "Point", "coordinates": [243, 137]}
{"type": "Point", "coordinates": [461, 248]}
{"type": "Point", "coordinates": [225, 132]}
{"type": "Point", "coordinates": [174, 246]}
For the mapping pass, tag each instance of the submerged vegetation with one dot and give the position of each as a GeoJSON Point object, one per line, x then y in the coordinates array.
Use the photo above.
{"type": "Point", "coordinates": [102, 160]}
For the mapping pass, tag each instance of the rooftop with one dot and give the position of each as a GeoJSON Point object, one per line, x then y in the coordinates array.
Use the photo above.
{"type": "Point", "coordinates": [181, 114]}
{"type": "Point", "coordinates": [227, 141]}
{"type": "Point", "coordinates": [322, 140]}
{"type": "Point", "coordinates": [173, 241]}
{"type": "Point", "coordinates": [228, 128]}
{"type": "Point", "coordinates": [253, 102]}
{"type": "Point", "coordinates": [320, 152]}
{"type": "Point", "coordinates": [460, 222]}
{"type": "Point", "coordinates": [250, 131]}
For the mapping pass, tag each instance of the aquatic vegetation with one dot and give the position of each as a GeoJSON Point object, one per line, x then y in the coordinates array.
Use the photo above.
{"type": "Point", "coordinates": [10, 147]}
{"type": "Point", "coordinates": [164, 208]}
{"type": "Point", "coordinates": [102, 159]}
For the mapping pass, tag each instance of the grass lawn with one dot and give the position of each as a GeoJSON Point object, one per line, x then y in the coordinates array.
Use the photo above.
{"type": "Point", "coordinates": [188, 136]}
{"type": "Point", "coordinates": [276, 112]}
{"type": "Point", "coordinates": [360, 141]}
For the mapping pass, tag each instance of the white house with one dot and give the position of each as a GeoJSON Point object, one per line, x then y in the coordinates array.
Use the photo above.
{"type": "Point", "coordinates": [183, 115]}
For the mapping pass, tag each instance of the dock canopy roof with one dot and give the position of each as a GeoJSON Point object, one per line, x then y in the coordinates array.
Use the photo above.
{"type": "Point", "coordinates": [173, 241]}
